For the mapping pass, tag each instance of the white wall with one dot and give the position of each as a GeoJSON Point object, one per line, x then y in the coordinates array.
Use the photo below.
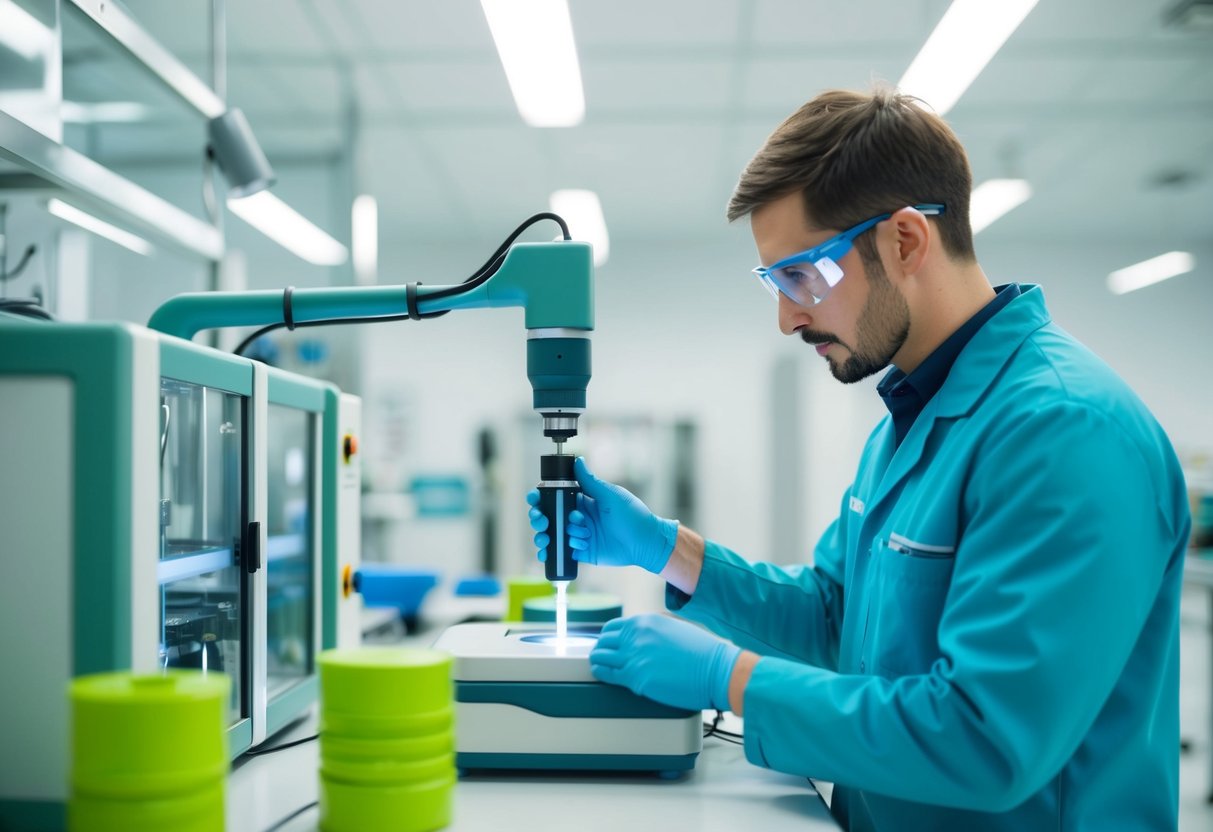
{"type": "Point", "coordinates": [683, 330]}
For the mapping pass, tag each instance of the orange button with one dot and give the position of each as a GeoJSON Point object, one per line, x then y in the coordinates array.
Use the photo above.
{"type": "Point", "coordinates": [350, 446]}
{"type": "Point", "coordinates": [347, 581]}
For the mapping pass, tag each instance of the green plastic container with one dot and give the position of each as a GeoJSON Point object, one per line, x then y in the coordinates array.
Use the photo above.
{"type": "Point", "coordinates": [382, 727]}
{"type": "Point", "coordinates": [200, 810]}
{"type": "Point", "coordinates": [391, 748]}
{"type": "Point", "coordinates": [387, 772]}
{"type": "Point", "coordinates": [412, 807]}
{"type": "Point", "coordinates": [584, 608]}
{"type": "Point", "coordinates": [384, 681]}
{"type": "Point", "coordinates": [148, 751]}
{"type": "Point", "coordinates": [521, 589]}
{"type": "Point", "coordinates": [387, 739]}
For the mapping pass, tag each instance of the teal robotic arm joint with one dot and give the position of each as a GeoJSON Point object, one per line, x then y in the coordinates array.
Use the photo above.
{"type": "Point", "coordinates": [552, 282]}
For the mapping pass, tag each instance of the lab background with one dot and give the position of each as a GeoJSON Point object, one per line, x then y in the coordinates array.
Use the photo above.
{"type": "Point", "coordinates": [697, 402]}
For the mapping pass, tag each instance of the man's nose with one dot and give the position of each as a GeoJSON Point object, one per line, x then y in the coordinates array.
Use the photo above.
{"type": "Point", "coordinates": [792, 315]}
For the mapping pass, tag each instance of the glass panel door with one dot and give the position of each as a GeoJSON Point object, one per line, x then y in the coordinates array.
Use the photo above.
{"type": "Point", "coordinates": [290, 547]}
{"type": "Point", "coordinates": [201, 519]}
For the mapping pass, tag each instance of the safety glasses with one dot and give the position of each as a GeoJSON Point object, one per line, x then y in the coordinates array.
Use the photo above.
{"type": "Point", "coordinates": [808, 277]}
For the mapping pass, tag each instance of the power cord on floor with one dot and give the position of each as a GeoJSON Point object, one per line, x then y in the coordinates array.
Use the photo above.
{"type": "Point", "coordinates": [256, 752]}
{"type": "Point", "coordinates": [292, 816]}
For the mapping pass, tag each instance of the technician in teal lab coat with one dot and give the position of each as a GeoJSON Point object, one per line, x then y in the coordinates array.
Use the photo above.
{"type": "Point", "coordinates": [988, 636]}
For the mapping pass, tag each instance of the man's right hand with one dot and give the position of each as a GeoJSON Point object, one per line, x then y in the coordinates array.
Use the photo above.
{"type": "Point", "coordinates": [610, 526]}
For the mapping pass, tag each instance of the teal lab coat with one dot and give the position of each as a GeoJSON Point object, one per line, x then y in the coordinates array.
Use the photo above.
{"type": "Point", "coordinates": [988, 638]}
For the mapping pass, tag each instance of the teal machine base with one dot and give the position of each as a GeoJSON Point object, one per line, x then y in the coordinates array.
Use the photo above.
{"type": "Point", "coordinates": [523, 701]}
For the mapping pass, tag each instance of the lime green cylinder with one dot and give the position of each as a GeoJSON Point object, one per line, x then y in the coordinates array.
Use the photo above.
{"type": "Point", "coordinates": [371, 727]}
{"type": "Point", "coordinates": [408, 807]}
{"type": "Point", "coordinates": [520, 589]}
{"type": "Point", "coordinates": [148, 751]}
{"type": "Point", "coordinates": [583, 608]}
{"type": "Point", "coordinates": [387, 739]}
{"type": "Point", "coordinates": [384, 681]}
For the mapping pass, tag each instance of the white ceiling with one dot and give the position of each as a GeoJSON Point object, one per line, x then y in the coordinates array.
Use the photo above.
{"type": "Point", "coordinates": [1091, 100]}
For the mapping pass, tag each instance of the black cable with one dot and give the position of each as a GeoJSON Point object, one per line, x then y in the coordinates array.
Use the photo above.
{"type": "Point", "coordinates": [21, 264]}
{"type": "Point", "coordinates": [714, 730]}
{"type": "Point", "coordinates": [256, 752]}
{"type": "Point", "coordinates": [477, 278]}
{"type": "Point", "coordinates": [30, 307]}
{"type": "Point", "coordinates": [292, 816]}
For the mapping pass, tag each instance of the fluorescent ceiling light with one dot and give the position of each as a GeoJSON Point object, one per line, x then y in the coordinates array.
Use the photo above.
{"type": "Point", "coordinates": [288, 228]}
{"type": "Point", "coordinates": [995, 197]}
{"type": "Point", "coordinates": [79, 112]}
{"type": "Point", "coordinates": [535, 41]}
{"type": "Point", "coordinates": [23, 33]}
{"type": "Point", "coordinates": [583, 212]}
{"type": "Point", "coordinates": [365, 238]}
{"type": "Point", "coordinates": [1150, 271]}
{"type": "Point", "coordinates": [88, 222]}
{"type": "Point", "coordinates": [967, 37]}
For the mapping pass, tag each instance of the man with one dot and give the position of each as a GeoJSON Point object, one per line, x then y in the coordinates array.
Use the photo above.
{"type": "Point", "coordinates": [988, 637]}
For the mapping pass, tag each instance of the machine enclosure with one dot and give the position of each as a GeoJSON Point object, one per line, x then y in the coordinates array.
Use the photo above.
{"type": "Point", "coordinates": [82, 430]}
{"type": "Point", "coordinates": [523, 703]}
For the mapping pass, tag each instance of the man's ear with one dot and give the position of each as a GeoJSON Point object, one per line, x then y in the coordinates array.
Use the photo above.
{"type": "Point", "coordinates": [911, 239]}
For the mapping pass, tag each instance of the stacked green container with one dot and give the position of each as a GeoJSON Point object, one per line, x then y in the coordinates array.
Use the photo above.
{"type": "Point", "coordinates": [149, 752]}
{"type": "Point", "coordinates": [583, 608]}
{"type": "Point", "coordinates": [521, 589]}
{"type": "Point", "coordinates": [387, 740]}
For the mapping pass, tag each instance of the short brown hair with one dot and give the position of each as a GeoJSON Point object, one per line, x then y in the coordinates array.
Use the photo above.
{"type": "Point", "coordinates": [858, 155]}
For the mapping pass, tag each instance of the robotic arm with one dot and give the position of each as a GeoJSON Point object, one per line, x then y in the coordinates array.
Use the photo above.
{"type": "Point", "coordinates": [553, 283]}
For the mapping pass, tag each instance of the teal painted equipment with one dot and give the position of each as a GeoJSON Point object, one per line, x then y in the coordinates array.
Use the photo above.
{"type": "Point", "coordinates": [552, 282]}
{"type": "Point", "coordinates": [164, 505]}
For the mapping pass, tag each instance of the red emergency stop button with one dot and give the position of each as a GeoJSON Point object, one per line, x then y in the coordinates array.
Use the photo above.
{"type": "Point", "coordinates": [349, 446]}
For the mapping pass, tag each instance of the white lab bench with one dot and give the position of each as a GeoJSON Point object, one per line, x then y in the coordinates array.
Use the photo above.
{"type": "Point", "coordinates": [722, 792]}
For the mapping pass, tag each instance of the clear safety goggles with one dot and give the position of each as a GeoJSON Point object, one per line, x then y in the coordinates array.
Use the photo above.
{"type": "Point", "coordinates": [807, 278]}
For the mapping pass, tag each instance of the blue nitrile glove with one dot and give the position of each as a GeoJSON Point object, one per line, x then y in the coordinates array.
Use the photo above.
{"type": "Point", "coordinates": [667, 660]}
{"type": "Point", "coordinates": [610, 526]}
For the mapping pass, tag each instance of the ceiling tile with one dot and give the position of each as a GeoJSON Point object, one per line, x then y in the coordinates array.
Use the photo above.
{"type": "Point", "coordinates": [811, 24]}
{"type": "Point", "coordinates": [1008, 80]}
{"type": "Point", "coordinates": [474, 87]}
{"type": "Point", "coordinates": [783, 84]}
{"type": "Point", "coordinates": [1093, 20]}
{"type": "Point", "coordinates": [663, 23]}
{"type": "Point", "coordinates": [422, 28]}
{"type": "Point", "coordinates": [656, 86]}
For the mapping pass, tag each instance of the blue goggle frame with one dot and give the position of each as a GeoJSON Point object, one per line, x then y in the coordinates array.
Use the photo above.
{"type": "Point", "coordinates": [807, 277]}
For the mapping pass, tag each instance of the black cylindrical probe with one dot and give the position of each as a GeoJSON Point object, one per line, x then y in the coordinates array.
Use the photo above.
{"type": "Point", "coordinates": [558, 491]}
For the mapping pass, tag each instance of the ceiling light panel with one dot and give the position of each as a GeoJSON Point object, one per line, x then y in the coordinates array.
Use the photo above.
{"type": "Point", "coordinates": [1149, 272]}
{"type": "Point", "coordinates": [966, 38]}
{"type": "Point", "coordinates": [535, 43]}
{"type": "Point", "coordinates": [994, 198]}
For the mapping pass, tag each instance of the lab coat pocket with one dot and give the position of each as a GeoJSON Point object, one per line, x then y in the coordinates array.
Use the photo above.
{"type": "Point", "coordinates": [911, 585]}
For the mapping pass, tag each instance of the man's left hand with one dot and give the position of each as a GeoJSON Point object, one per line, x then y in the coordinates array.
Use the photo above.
{"type": "Point", "coordinates": [667, 660]}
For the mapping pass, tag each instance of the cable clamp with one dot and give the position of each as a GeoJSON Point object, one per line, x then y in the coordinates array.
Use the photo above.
{"type": "Point", "coordinates": [288, 313]}
{"type": "Point", "coordinates": [410, 299]}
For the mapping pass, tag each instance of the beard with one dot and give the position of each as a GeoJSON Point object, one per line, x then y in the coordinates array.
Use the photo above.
{"type": "Point", "coordinates": [884, 325]}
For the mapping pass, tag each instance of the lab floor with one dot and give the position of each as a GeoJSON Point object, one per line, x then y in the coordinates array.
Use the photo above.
{"type": "Point", "coordinates": [1195, 815]}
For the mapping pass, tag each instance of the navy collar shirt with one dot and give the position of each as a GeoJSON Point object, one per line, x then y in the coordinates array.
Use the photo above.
{"type": "Point", "coordinates": [906, 395]}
